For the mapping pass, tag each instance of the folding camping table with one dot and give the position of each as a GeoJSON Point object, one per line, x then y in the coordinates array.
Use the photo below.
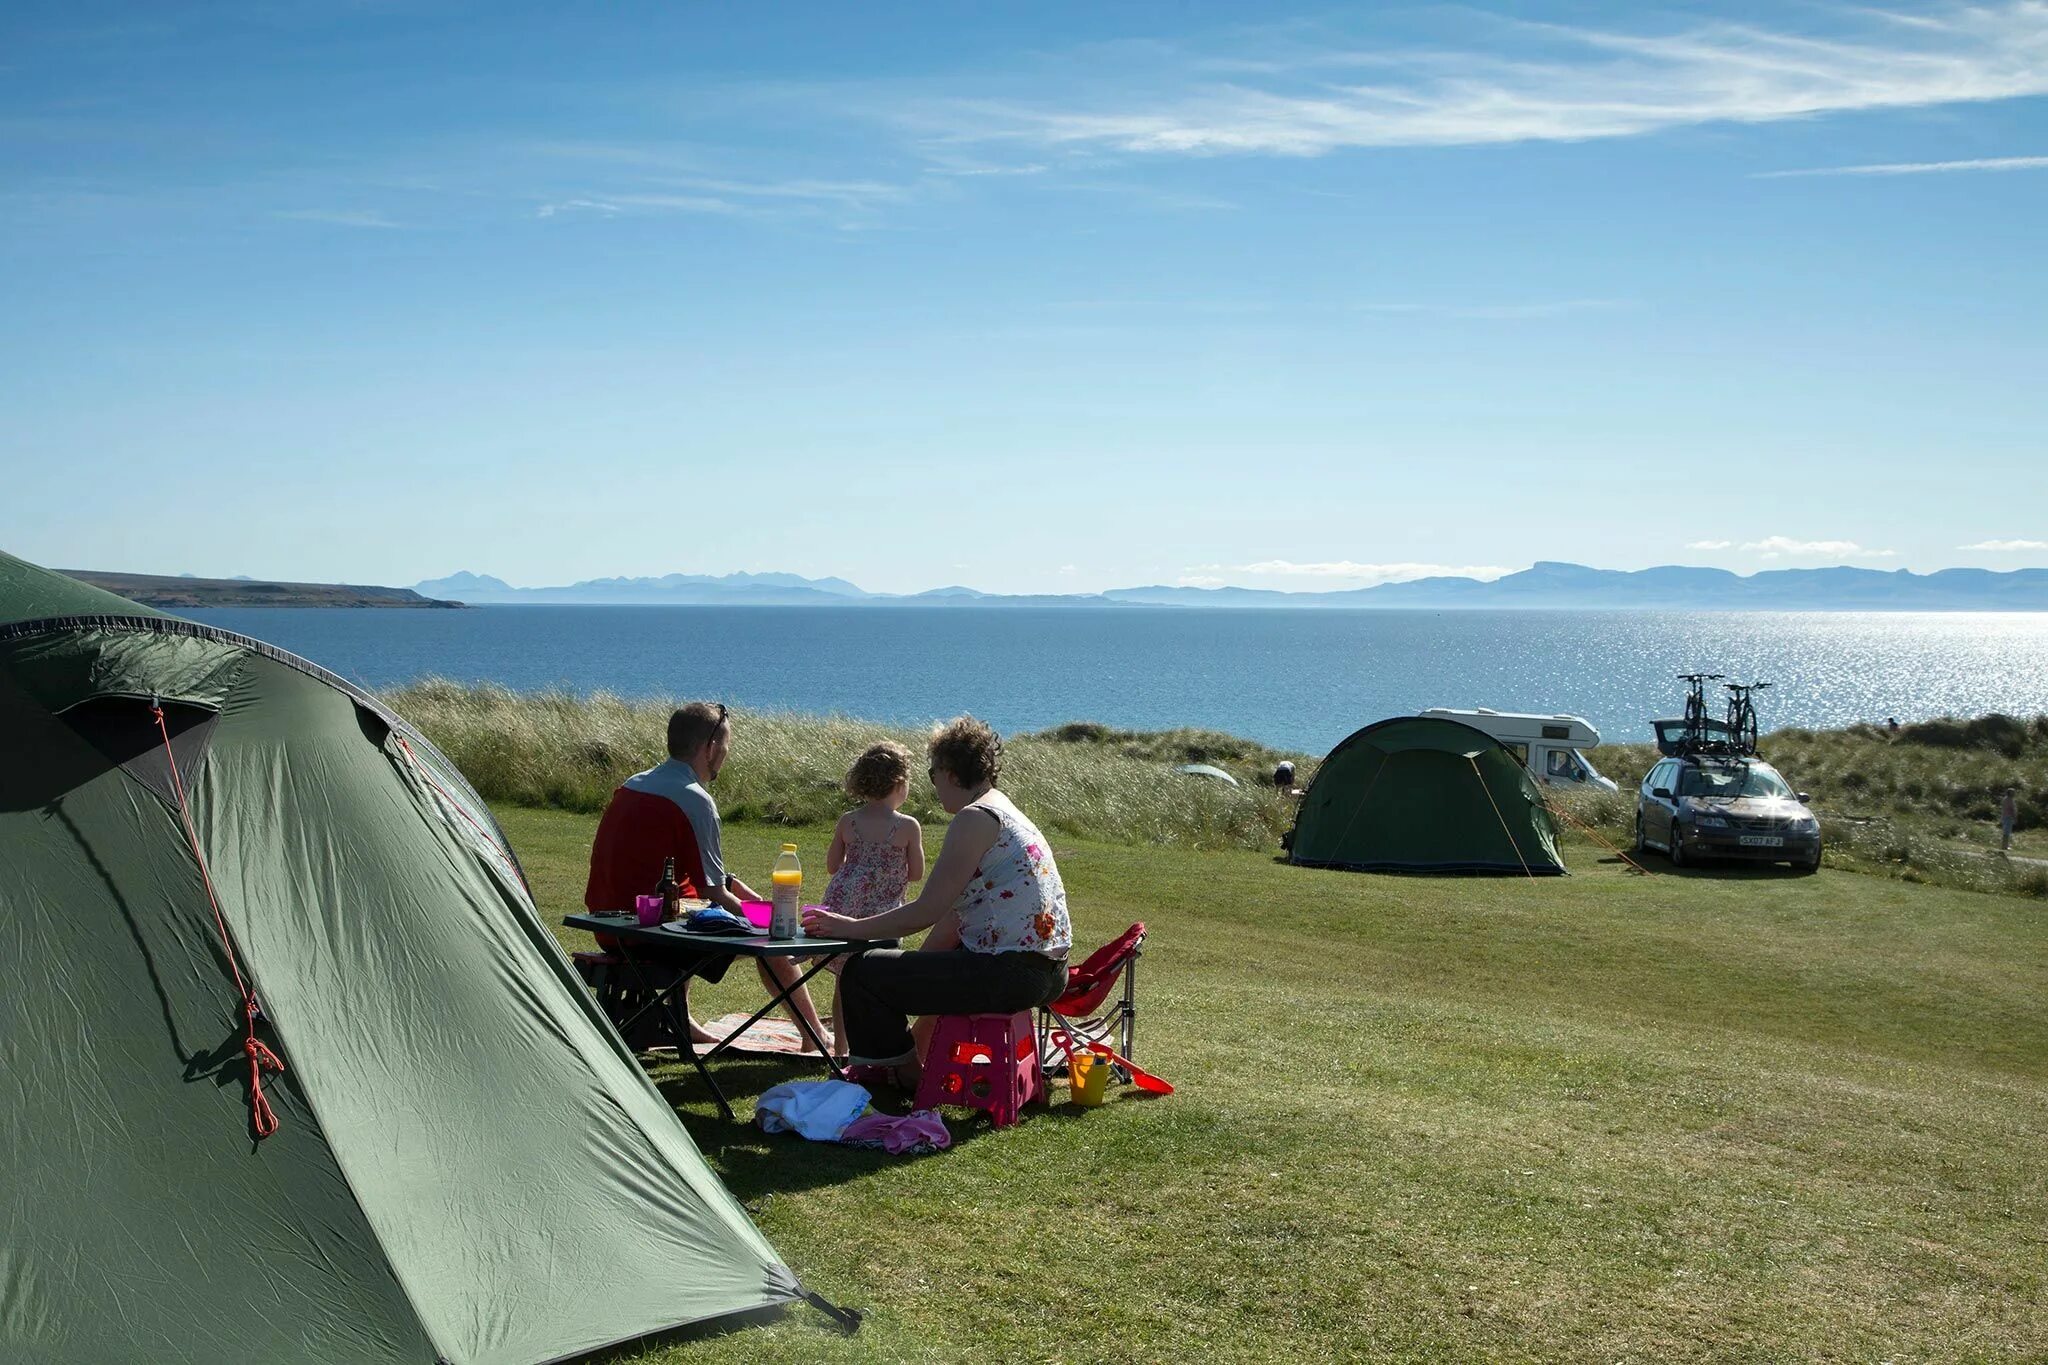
{"type": "Point", "coordinates": [702, 955]}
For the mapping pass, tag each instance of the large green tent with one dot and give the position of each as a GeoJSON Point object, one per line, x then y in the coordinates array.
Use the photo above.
{"type": "Point", "coordinates": [1424, 794]}
{"type": "Point", "coordinates": [467, 1165]}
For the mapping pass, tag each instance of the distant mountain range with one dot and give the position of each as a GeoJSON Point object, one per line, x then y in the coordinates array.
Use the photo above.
{"type": "Point", "coordinates": [1547, 584]}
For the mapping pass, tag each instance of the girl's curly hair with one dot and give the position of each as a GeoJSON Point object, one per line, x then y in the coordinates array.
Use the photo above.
{"type": "Point", "coordinates": [968, 749]}
{"type": "Point", "coordinates": [877, 771]}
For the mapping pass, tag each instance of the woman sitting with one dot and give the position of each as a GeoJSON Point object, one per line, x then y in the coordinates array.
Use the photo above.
{"type": "Point", "coordinates": [994, 903]}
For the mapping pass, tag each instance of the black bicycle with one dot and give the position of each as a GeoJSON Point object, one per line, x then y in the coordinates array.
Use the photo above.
{"type": "Point", "coordinates": [1742, 714]}
{"type": "Point", "coordinates": [1696, 705]}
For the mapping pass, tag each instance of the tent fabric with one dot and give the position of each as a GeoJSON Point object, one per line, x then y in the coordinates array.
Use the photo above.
{"type": "Point", "coordinates": [29, 592]}
{"type": "Point", "coordinates": [470, 1166]}
{"type": "Point", "coordinates": [1424, 794]}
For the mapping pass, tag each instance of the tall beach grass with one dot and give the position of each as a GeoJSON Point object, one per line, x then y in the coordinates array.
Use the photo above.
{"type": "Point", "coordinates": [552, 749]}
{"type": "Point", "coordinates": [1920, 806]}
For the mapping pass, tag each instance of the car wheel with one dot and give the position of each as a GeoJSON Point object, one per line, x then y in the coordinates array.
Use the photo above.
{"type": "Point", "coordinates": [1811, 865]}
{"type": "Point", "coordinates": [1677, 850]}
{"type": "Point", "coordinates": [1642, 843]}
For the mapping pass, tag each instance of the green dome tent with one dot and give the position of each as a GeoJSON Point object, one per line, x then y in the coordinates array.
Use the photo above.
{"type": "Point", "coordinates": [1423, 794]}
{"type": "Point", "coordinates": [466, 1165]}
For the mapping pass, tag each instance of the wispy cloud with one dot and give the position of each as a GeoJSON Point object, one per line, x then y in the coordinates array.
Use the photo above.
{"type": "Point", "coordinates": [1772, 547]}
{"type": "Point", "coordinates": [597, 206]}
{"type": "Point", "coordinates": [1551, 308]}
{"type": "Point", "coordinates": [1986, 163]}
{"type": "Point", "coordinates": [1537, 82]}
{"type": "Point", "coordinates": [1503, 312]}
{"type": "Point", "coordinates": [611, 206]}
{"type": "Point", "coordinates": [1708, 544]}
{"type": "Point", "coordinates": [350, 218]}
{"type": "Point", "coordinates": [2006, 546]}
{"type": "Point", "coordinates": [707, 194]}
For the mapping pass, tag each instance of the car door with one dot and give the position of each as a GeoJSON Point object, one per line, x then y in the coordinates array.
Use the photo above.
{"type": "Point", "coordinates": [1657, 809]}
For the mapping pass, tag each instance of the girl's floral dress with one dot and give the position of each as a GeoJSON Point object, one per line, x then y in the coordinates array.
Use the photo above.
{"type": "Point", "coordinates": [872, 878]}
{"type": "Point", "coordinates": [1015, 901]}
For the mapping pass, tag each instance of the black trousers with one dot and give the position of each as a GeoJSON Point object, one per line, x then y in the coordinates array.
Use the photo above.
{"type": "Point", "coordinates": [883, 986]}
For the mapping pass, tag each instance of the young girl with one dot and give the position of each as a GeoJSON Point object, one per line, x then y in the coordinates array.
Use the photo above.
{"type": "Point", "coordinates": [876, 850]}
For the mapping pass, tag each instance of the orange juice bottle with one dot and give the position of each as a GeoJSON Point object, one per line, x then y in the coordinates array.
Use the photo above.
{"type": "Point", "coordinates": [788, 880]}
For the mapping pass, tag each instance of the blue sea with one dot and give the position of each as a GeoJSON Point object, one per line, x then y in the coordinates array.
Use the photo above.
{"type": "Point", "coordinates": [1295, 679]}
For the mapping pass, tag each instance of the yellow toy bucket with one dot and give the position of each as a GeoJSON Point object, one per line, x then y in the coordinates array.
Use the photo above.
{"type": "Point", "coordinates": [1087, 1078]}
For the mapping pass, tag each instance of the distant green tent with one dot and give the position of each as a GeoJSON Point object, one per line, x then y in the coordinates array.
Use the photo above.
{"type": "Point", "coordinates": [468, 1166]}
{"type": "Point", "coordinates": [1424, 794]}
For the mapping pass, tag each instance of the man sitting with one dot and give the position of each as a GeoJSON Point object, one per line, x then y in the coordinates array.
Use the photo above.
{"type": "Point", "coordinates": [666, 813]}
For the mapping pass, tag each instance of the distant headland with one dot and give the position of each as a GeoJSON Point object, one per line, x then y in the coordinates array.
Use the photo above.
{"type": "Point", "coordinates": [1545, 585]}
{"type": "Point", "coordinates": [170, 593]}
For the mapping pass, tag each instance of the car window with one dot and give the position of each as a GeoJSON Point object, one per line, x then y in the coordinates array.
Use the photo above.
{"type": "Point", "coordinates": [1660, 776]}
{"type": "Point", "coordinates": [1748, 779]}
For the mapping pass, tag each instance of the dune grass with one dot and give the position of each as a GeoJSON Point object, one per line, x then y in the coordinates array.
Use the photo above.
{"type": "Point", "coordinates": [1714, 1116]}
{"type": "Point", "coordinates": [1921, 805]}
{"type": "Point", "coordinates": [569, 752]}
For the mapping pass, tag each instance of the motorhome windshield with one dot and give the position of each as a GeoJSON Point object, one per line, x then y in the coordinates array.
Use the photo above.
{"type": "Point", "coordinates": [1562, 765]}
{"type": "Point", "coordinates": [1747, 779]}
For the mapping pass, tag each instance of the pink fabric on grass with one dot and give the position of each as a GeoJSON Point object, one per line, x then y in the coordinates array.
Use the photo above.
{"type": "Point", "coordinates": [920, 1130]}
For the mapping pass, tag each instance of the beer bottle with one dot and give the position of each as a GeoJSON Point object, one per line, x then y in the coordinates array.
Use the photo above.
{"type": "Point", "coordinates": [671, 906]}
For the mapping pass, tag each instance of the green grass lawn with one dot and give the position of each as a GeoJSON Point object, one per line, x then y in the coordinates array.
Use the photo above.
{"type": "Point", "coordinates": [1602, 1117]}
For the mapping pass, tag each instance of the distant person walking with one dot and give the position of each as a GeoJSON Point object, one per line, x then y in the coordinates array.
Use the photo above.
{"type": "Point", "coordinates": [2008, 816]}
{"type": "Point", "coordinates": [1891, 725]}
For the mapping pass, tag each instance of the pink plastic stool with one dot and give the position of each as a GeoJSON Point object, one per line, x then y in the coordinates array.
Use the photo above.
{"type": "Point", "coordinates": [983, 1061]}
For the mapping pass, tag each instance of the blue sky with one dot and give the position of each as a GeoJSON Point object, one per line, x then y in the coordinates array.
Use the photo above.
{"type": "Point", "coordinates": [1033, 298]}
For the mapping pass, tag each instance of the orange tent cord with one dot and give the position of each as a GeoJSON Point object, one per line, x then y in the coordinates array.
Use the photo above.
{"type": "Point", "coordinates": [1598, 838]}
{"type": "Point", "coordinates": [261, 1116]}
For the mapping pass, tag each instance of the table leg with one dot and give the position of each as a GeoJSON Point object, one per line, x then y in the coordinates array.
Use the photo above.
{"type": "Point", "coordinates": [803, 1025]}
{"type": "Point", "coordinates": [671, 1003]}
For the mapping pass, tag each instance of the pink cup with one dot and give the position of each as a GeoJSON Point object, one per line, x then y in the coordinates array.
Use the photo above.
{"type": "Point", "coordinates": [648, 908]}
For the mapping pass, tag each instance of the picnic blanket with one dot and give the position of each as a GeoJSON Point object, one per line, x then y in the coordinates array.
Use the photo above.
{"type": "Point", "coordinates": [773, 1036]}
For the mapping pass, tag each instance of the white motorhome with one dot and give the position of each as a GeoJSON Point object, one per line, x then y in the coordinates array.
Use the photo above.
{"type": "Point", "coordinates": [1549, 746]}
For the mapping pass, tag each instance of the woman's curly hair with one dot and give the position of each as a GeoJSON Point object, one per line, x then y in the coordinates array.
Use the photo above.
{"type": "Point", "coordinates": [969, 750]}
{"type": "Point", "coordinates": [877, 771]}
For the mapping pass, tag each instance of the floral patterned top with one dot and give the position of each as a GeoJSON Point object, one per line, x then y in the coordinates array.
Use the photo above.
{"type": "Point", "coordinates": [1015, 902]}
{"type": "Point", "coordinates": [872, 878]}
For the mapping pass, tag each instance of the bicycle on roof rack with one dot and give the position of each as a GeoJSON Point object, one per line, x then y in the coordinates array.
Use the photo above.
{"type": "Point", "coordinates": [1696, 707]}
{"type": "Point", "coordinates": [1742, 714]}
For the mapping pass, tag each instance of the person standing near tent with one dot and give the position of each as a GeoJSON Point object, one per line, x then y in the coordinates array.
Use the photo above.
{"type": "Point", "coordinates": [666, 812]}
{"type": "Point", "coordinates": [994, 902]}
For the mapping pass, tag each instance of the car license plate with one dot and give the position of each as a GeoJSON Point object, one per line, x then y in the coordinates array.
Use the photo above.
{"type": "Point", "coordinates": [1762, 841]}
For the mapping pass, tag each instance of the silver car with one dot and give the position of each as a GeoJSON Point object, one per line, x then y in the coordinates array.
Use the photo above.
{"type": "Point", "coordinates": [1725, 806]}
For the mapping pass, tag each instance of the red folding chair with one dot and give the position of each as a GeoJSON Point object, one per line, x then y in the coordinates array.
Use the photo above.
{"type": "Point", "coordinates": [1085, 1010]}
